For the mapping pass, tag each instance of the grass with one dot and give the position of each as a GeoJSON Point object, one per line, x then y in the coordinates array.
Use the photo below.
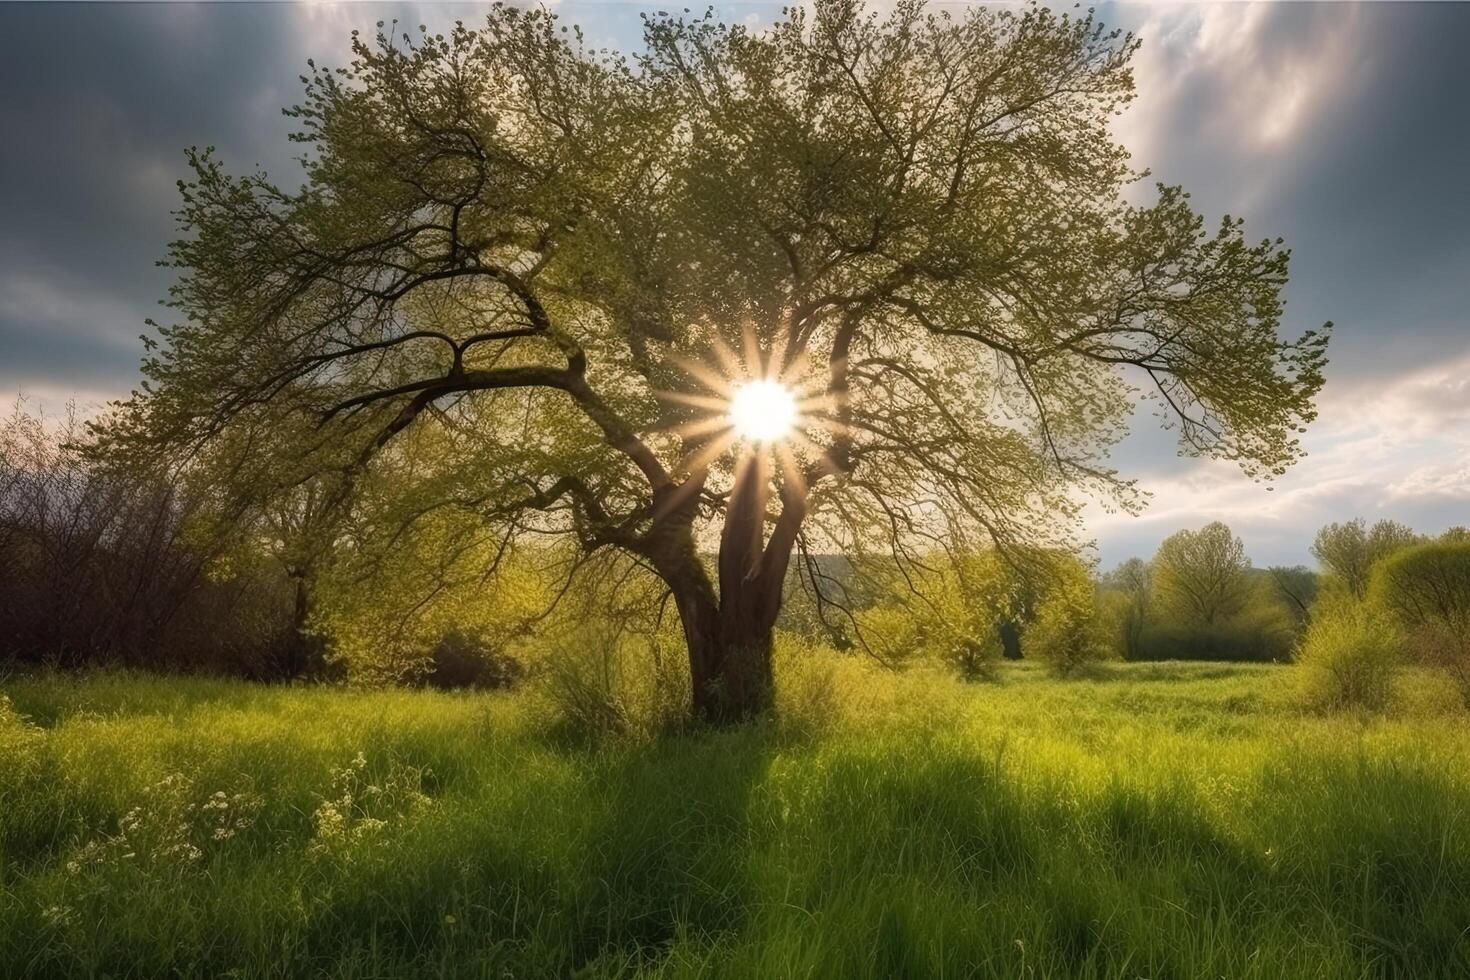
{"type": "Point", "coordinates": [1152, 820]}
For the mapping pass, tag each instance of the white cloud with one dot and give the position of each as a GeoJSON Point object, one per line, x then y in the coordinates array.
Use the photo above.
{"type": "Point", "coordinates": [1397, 447]}
{"type": "Point", "coordinates": [1241, 80]}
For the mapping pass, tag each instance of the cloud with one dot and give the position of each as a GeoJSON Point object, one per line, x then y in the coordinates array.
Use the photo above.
{"type": "Point", "coordinates": [1249, 75]}
{"type": "Point", "coordinates": [1341, 127]}
{"type": "Point", "coordinates": [1396, 447]}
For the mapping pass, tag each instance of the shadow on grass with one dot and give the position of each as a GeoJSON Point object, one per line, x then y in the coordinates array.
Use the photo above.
{"type": "Point", "coordinates": [915, 853]}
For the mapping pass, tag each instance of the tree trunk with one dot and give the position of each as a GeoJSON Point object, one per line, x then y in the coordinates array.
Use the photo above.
{"type": "Point", "coordinates": [728, 639]}
{"type": "Point", "coordinates": [729, 636]}
{"type": "Point", "coordinates": [737, 684]}
{"type": "Point", "coordinates": [304, 658]}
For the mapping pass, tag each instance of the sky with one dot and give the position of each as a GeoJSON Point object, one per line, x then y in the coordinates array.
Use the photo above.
{"type": "Point", "coordinates": [1343, 128]}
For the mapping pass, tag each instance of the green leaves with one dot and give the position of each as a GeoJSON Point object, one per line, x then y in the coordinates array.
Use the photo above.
{"type": "Point", "coordinates": [563, 255]}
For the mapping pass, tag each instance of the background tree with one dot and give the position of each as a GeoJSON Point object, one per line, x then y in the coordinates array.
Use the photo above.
{"type": "Point", "coordinates": [1203, 576]}
{"type": "Point", "coordinates": [1297, 586]}
{"type": "Point", "coordinates": [1348, 551]}
{"type": "Point", "coordinates": [916, 222]}
{"type": "Point", "coordinates": [1133, 580]}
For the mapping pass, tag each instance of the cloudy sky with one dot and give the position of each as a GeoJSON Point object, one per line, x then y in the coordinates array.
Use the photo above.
{"type": "Point", "coordinates": [1343, 128]}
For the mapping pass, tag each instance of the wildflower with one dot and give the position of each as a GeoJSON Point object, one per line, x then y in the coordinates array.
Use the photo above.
{"type": "Point", "coordinates": [58, 915]}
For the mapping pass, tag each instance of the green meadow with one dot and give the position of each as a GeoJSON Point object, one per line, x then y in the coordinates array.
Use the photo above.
{"type": "Point", "coordinates": [1148, 820]}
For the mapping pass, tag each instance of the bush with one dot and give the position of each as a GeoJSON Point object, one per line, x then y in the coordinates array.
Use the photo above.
{"type": "Point", "coordinates": [949, 613]}
{"type": "Point", "coordinates": [973, 658]}
{"type": "Point", "coordinates": [893, 632]}
{"type": "Point", "coordinates": [1426, 591]}
{"type": "Point", "coordinates": [1350, 657]}
{"type": "Point", "coordinates": [468, 659]}
{"type": "Point", "coordinates": [1258, 637]}
{"type": "Point", "coordinates": [602, 683]}
{"type": "Point", "coordinates": [105, 563]}
{"type": "Point", "coordinates": [1069, 632]}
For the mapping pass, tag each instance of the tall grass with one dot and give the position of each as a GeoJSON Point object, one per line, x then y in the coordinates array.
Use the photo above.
{"type": "Point", "coordinates": [1156, 820]}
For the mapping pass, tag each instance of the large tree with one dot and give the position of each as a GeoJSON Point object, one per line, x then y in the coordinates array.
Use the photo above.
{"type": "Point", "coordinates": [569, 258]}
{"type": "Point", "coordinates": [1349, 551]}
{"type": "Point", "coordinates": [1202, 576]}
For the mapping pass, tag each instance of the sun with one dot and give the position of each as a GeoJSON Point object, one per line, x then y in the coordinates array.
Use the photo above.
{"type": "Point", "coordinates": [763, 410]}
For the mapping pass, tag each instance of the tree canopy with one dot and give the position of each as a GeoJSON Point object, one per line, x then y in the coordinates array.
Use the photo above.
{"type": "Point", "coordinates": [1349, 550]}
{"type": "Point", "coordinates": [1203, 575]}
{"type": "Point", "coordinates": [561, 260]}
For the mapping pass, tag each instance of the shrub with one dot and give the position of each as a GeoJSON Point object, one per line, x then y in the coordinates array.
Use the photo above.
{"type": "Point", "coordinates": [105, 562]}
{"type": "Point", "coordinates": [602, 683]}
{"type": "Point", "coordinates": [1350, 656]}
{"type": "Point", "coordinates": [973, 658]}
{"type": "Point", "coordinates": [893, 632]}
{"type": "Point", "coordinates": [948, 613]}
{"type": "Point", "coordinates": [1426, 591]}
{"type": "Point", "coordinates": [1069, 632]}
{"type": "Point", "coordinates": [468, 659]}
{"type": "Point", "coordinates": [421, 611]}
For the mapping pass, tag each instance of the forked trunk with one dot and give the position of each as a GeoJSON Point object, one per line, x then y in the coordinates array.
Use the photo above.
{"type": "Point", "coordinates": [729, 635]}
{"type": "Point", "coordinates": [729, 643]}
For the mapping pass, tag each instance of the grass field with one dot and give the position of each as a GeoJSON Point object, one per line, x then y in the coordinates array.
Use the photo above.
{"type": "Point", "coordinates": [1151, 821]}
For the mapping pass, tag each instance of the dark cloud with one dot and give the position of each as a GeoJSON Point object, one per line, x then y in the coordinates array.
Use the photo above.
{"type": "Point", "coordinates": [100, 103]}
{"type": "Point", "coordinates": [1366, 178]}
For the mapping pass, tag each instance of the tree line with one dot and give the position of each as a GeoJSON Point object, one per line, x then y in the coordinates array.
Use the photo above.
{"type": "Point", "coordinates": [112, 564]}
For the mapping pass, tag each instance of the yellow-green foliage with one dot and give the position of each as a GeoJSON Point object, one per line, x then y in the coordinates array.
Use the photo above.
{"type": "Point", "coordinates": [1349, 551]}
{"type": "Point", "coordinates": [1199, 600]}
{"type": "Point", "coordinates": [1071, 630]}
{"type": "Point", "coordinates": [1155, 820]}
{"type": "Point", "coordinates": [603, 682]}
{"type": "Point", "coordinates": [946, 611]}
{"type": "Point", "coordinates": [384, 612]}
{"type": "Point", "coordinates": [1350, 655]}
{"type": "Point", "coordinates": [612, 659]}
{"type": "Point", "coordinates": [1425, 588]}
{"type": "Point", "coordinates": [1202, 577]}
